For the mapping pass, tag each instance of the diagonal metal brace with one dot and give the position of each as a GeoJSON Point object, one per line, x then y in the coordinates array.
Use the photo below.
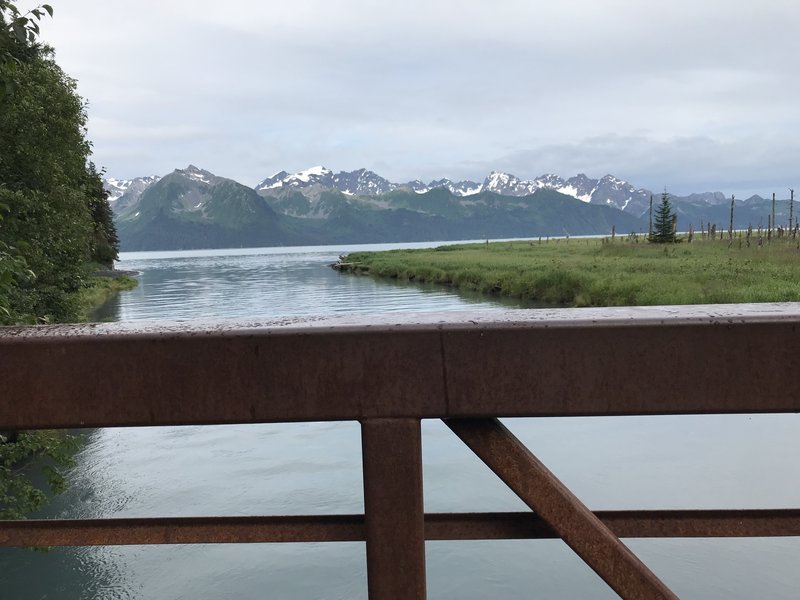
{"type": "Point", "coordinates": [546, 495]}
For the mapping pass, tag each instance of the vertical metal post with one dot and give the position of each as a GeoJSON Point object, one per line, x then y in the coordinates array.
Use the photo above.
{"type": "Point", "coordinates": [393, 508]}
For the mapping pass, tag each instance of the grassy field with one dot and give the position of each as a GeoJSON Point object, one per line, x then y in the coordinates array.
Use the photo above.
{"type": "Point", "coordinates": [99, 291]}
{"type": "Point", "coordinates": [597, 272]}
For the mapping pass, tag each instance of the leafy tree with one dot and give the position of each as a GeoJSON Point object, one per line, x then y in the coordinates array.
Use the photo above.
{"type": "Point", "coordinates": [54, 217]}
{"type": "Point", "coordinates": [20, 30]}
{"type": "Point", "coordinates": [42, 182]}
{"type": "Point", "coordinates": [57, 211]}
{"type": "Point", "coordinates": [18, 496]}
{"type": "Point", "coordinates": [664, 222]}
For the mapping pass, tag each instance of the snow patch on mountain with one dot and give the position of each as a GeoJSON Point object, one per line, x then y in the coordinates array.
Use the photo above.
{"type": "Point", "coordinates": [313, 173]}
{"type": "Point", "coordinates": [117, 188]}
{"type": "Point", "coordinates": [608, 190]}
{"type": "Point", "coordinates": [571, 190]}
{"type": "Point", "coordinates": [198, 174]}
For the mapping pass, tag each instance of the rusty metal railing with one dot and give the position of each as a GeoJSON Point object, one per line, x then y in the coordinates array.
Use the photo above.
{"type": "Point", "coordinates": [389, 373]}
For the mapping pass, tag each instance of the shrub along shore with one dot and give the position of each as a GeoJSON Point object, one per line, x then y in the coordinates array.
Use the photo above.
{"type": "Point", "coordinates": [602, 271]}
{"type": "Point", "coordinates": [100, 289]}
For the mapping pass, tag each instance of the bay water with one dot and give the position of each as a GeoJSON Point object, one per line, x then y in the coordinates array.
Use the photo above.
{"type": "Point", "coordinates": [681, 462]}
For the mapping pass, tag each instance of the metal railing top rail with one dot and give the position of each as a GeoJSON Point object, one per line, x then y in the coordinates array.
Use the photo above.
{"type": "Point", "coordinates": [559, 362]}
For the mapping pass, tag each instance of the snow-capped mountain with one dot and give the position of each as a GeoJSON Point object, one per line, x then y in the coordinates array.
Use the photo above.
{"type": "Point", "coordinates": [199, 175]}
{"type": "Point", "coordinates": [620, 194]}
{"type": "Point", "coordinates": [608, 190]}
{"type": "Point", "coordinates": [117, 188]}
{"type": "Point", "coordinates": [360, 182]}
{"type": "Point", "coordinates": [507, 184]}
{"type": "Point", "coordinates": [318, 175]}
{"type": "Point", "coordinates": [457, 188]}
{"type": "Point", "coordinates": [193, 208]}
{"type": "Point", "coordinates": [124, 193]}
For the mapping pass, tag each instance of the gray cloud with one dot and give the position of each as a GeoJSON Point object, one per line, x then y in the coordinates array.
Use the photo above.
{"type": "Point", "coordinates": [691, 95]}
{"type": "Point", "coordinates": [683, 165]}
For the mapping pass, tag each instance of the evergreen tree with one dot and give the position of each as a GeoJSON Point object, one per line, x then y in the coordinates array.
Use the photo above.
{"type": "Point", "coordinates": [105, 243]}
{"type": "Point", "coordinates": [664, 222]}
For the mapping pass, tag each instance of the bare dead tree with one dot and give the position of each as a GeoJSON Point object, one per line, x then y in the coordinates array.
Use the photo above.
{"type": "Point", "coordinates": [773, 215]}
{"type": "Point", "coordinates": [730, 227]}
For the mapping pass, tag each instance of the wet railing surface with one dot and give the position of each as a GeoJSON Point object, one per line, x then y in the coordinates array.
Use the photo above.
{"type": "Point", "coordinates": [391, 372]}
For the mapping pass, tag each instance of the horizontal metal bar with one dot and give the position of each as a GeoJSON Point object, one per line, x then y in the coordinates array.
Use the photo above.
{"type": "Point", "coordinates": [633, 361]}
{"type": "Point", "coordinates": [350, 528]}
{"type": "Point", "coordinates": [181, 530]}
{"type": "Point", "coordinates": [624, 524]}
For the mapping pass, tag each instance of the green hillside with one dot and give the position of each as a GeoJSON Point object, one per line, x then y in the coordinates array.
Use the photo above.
{"type": "Point", "coordinates": [194, 209]}
{"type": "Point", "coordinates": [180, 212]}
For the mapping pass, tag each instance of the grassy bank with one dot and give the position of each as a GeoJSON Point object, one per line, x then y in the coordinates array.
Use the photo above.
{"type": "Point", "coordinates": [598, 272]}
{"type": "Point", "coordinates": [100, 290]}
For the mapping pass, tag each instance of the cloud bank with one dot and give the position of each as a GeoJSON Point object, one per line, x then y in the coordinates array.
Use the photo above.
{"type": "Point", "coordinates": [692, 96]}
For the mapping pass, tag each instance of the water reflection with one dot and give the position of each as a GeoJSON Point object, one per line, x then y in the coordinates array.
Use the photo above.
{"type": "Point", "coordinates": [273, 282]}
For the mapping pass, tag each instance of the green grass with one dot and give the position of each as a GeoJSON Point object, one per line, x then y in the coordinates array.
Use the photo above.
{"type": "Point", "coordinates": [100, 290]}
{"type": "Point", "coordinates": [595, 272]}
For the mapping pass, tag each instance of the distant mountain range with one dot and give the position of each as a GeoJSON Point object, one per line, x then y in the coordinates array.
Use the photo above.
{"type": "Point", "coordinates": [193, 208]}
{"type": "Point", "coordinates": [609, 190]}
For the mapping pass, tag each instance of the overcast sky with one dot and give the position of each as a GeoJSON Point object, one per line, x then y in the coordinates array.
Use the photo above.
{"type": "Point", "coordinates": [692, 95]}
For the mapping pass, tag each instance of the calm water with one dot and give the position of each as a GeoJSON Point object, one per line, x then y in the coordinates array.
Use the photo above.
{"type": "Point", "coordinates": [661, 462]}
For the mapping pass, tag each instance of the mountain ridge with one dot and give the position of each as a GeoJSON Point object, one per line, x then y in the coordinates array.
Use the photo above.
{"type": "Point", "coordinates": [607, 190]}
{"type": "Point", "coordinates": [194, 208]}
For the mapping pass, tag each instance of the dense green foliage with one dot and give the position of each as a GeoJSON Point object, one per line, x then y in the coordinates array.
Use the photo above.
{"type": "Point", "coordinates": [597, 272]}
{"type": "Point", "coordinates": [663, 222]}
{"type": "Point", "coordinates": [54, 209]}
{"type": "Point", "coordinates": [18, 32]}
{"type": "Point", "coordinates": [99, 292]}
{"type": "Point", "coordinates": [54, 219]}
{"type": "Point", "coordinates": [18, 495]}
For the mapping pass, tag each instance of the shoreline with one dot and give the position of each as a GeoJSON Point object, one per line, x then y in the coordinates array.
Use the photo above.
{"type": "Point", "coordinates": [102, 287]}
{"type": "Point", "coordinates": [600, 272]}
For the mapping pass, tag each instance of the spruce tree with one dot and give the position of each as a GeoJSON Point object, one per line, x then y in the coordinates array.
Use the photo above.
{"type": "Point", "coordinates": [663, 225]}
